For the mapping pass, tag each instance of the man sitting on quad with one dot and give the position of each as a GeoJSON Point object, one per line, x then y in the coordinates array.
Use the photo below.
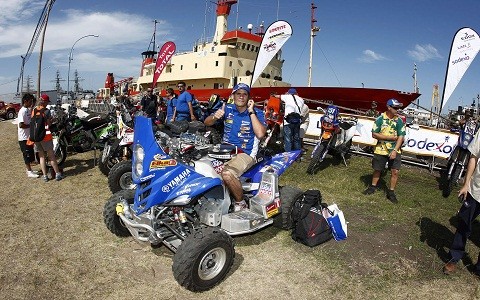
{"type": "Point", "coordinates": [244, 127]}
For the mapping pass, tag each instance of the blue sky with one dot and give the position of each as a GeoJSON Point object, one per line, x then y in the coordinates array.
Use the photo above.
{"type": "Point", "coordinates": [374, 43]}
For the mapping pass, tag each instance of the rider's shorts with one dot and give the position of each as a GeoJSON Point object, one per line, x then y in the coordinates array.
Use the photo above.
{"type": "Point", "coordinates": [43, 146]}
{"type": "Point", "coordinates": [379, 162]}
{"type": "Point", "coordinates": [239, 164]}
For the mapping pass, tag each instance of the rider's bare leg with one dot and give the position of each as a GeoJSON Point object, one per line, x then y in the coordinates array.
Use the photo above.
{"type": "Point", "coordinates": [233, 184]}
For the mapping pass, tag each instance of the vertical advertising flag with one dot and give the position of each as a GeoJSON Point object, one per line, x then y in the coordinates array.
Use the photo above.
{"type": "Point", "coordinates": [164, 55]}
{"type": "Point", "coordinates": [275, 36]}
{"type": "Point", "coordinates": [465, 46]}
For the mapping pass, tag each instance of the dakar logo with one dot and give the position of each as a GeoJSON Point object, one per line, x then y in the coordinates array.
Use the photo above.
{"type": "Point", "coordinates": [270, 46]}
{"type": "Point", "coordinates": [467, 36]}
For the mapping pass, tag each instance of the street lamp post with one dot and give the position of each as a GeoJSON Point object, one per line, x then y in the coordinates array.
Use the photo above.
{"type": "Point", "coordinates": [70, 60]}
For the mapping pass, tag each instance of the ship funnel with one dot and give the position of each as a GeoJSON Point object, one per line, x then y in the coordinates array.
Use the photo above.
{"type": "Point", "coordinates": [223, 10]}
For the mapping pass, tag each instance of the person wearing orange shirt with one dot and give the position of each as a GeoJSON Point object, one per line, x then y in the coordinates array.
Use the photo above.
{"type": "Point", "coordinates": [46, 145]}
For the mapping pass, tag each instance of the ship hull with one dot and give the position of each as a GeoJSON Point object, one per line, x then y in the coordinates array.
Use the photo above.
{"type": "Point", "coordinates": [351, 98]}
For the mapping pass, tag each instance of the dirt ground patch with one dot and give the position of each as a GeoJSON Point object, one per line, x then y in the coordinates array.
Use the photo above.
{"type": "Point", "coordinates": [55, 246]}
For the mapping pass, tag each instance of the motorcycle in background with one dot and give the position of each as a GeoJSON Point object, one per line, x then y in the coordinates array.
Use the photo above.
{"type": "Point", "coordinates": [335, 137]}
{"type": "Point", "coordinates": [120, 148]}
{"type": "Point", "coordinates": [274, 114]}
{"type": "Point", "coordinates": [84, 134]}
{"type": "Point", "coordinates": [460, 156]}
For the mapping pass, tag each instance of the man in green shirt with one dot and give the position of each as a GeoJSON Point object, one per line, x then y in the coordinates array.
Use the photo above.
{"type": "Point", "coordinates": [389, 131]}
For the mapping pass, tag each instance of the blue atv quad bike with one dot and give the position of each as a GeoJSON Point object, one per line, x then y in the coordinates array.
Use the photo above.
{"type": "Point", "coordinates": [181, 202]}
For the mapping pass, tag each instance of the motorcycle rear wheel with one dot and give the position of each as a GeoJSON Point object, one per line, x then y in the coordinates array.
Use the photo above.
{"type": "Point", "coordinates": [110, 217]}
{"type": "Point", "coordinates": [315, 161]}
{"type": "Point", "coordinates": [120, 177]}
{"type": "Point", "coordinates": [203, 259]}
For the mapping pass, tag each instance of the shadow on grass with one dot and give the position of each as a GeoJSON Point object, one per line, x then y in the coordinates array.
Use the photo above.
{"type": "Point", "coordinates": [437, 236]}
{"type": "Point", "coordinates": [77, 166]}
{"type": "Point", "coordinates": [257, 237]}
{"type": "Point", "coordinates": [382, 182]}
{"type": "Point", "coordinates": [440, 238]}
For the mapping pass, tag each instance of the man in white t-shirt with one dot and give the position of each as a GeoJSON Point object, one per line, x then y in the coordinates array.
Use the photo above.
{"type": "Point", "coordinates": [292, 120]}
{"type": "Point", "coordinates": [24, 116]}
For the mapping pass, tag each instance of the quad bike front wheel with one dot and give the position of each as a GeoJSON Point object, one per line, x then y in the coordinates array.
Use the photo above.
{"type": "Point", "coordinates": [110, 217]}
{"type": "Point", "coordinates": [288, 197]}
{"type": "Point", "coordinates": [203, 259]}
{"type": "Point", "coordinates": [120, 177]}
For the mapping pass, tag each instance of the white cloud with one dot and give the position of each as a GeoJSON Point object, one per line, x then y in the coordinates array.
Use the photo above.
{"type": "Point", "coordinates": [116, 30]}
{"type": "Point", "coordinates": [17, 10]}
{"type": "Point", "coordinates": [424, 53]}
{"type": "Point", "coordinates": [369, 56]}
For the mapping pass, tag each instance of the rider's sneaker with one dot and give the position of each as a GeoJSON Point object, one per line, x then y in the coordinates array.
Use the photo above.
{"type": "Point", "coordinates": [370, 190]}
{"type": "Point", "coordinates": [45, 178]}
{"type": "Point", "coordinates": [240, 205]}
{"type": "Point", "coordinates": [391, 196]}
{"type": "Point", "coordinates": [59, 176]}
{"type": "Point", "coordinates": [32, 174]}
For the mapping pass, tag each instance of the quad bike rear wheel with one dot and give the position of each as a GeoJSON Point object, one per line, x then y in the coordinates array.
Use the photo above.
{"type": "Point", "coordinates": [110, 217]}
{"type": "Point", "coordinates": [288, 197]}
{"type": "Point", "coordinates": [120, 177]}
{"type": "Point", "coordinates": [203, 259]}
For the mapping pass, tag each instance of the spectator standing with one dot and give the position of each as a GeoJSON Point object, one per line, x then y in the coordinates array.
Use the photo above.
{"type": "Point", "coordinates": [292, 120]}
{"type": "Point", "coordinates": [470, 193]}
{"type": "Point", "coordinates": [149, 104]}
{"type": "Point", "coordinates": [46, 145]}
{"type": "Point", "coordinates": [171, 101]}
{"type": "Point", "coordinates": [389, 131]}
{"type": "Point", "coordinates": [373, 112]}
{"type": "Point", "coordinates": [24, 116]}
{"type": "Point", "coordinates": [184, 104]}
{"type": "Point", "coordinates": [244, 127]}
{"type": "Point", "coordinates": [305, 113]}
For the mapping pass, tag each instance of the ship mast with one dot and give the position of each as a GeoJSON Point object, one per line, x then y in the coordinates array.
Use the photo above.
{"type": "Point", "coordinates": [313, 32]}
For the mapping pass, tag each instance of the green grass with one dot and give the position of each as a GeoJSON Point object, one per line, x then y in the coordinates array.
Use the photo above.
{"type": "Point", "coordinates": [387, 242]}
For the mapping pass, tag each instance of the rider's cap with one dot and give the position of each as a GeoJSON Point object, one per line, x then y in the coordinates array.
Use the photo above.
{"type": "Point", "coordinates": [45, 98]}
{"type": "Point", "coordinates": [292, 91]}
{"type": "Point", "coordinates": [241, 86]}
{"type": "Point", "coordinates": [394, 103]}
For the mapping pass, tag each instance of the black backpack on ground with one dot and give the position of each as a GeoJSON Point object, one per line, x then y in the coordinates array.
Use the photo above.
{"type": "Point", "coordinates": [37, 125]}
{"type": "Point", "coordinates": [309, 225]}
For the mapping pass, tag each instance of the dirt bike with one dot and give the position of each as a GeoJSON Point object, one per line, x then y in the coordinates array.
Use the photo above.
{"type": "Point", "coordinates": [460, 156]}
{"type": "Point", "coordinates": [272, 142]}
{"type": "Point", "coordinates": [181, 202]}
{"type": "Point", "coordinates": [335, 137]}
{"type": "Point", "coordinates": [118, 149]}
{"type": "Point", "coordinates": [83, 134]}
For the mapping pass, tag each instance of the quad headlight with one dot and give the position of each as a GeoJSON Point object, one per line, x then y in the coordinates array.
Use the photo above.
{"type": "Point", "coordinates": [139, 155]}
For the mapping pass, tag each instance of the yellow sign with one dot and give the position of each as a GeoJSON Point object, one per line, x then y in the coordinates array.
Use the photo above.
{"type": "Point", "coordinates": [162, 164]}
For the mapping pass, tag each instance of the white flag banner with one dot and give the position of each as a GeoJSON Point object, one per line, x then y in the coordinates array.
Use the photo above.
{"type": "Point", "coordinates": [275, 36]}
{"type": "Point", "coordinates": [465, 46]}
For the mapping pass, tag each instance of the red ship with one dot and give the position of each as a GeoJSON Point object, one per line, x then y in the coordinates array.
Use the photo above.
{"type": "Point", "coordinates": [216, 64]}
